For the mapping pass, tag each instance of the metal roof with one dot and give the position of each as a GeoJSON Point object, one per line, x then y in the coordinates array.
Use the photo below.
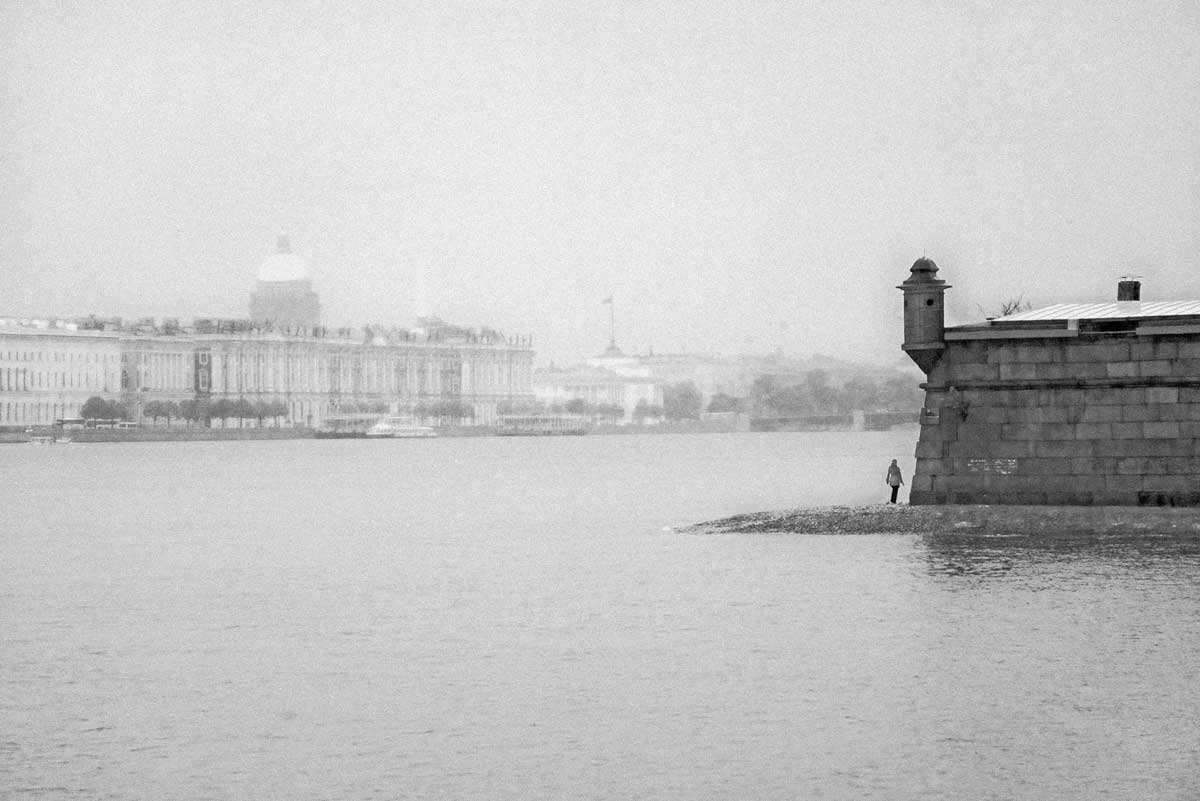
{"type": "Point", "coordinates": [1106, 311]}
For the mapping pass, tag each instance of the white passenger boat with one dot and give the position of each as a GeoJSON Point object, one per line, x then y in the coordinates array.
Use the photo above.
{"type": "Point", "coordinates": [47, 439]}
{"type": "Point", "coordinates": [346, 426]}
{"type": "Point", "coordinates": [399, 428]}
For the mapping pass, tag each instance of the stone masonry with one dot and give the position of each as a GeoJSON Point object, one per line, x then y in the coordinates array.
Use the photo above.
{"type": "Point", "coordinates": [1108, 419]}
{"type": "Point", "coordinates": [1084, 404]}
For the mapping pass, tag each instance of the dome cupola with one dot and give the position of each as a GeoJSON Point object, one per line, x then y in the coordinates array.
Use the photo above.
{"type": "Point", "coordinates": [285, 296]}
{"type": "Point", "coordinates": [283, 265]}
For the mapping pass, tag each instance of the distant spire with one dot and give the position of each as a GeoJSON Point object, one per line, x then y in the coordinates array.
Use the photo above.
{"type": "Point", "coordinates": [422, 300]}
{"type": "Point", "coordinates": [613, 350]}
{"type": "Point", "coordinates": [283, 244]}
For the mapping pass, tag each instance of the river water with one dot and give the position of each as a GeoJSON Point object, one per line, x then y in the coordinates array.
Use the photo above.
{"type": "Point", "coordinates": [509, 618]}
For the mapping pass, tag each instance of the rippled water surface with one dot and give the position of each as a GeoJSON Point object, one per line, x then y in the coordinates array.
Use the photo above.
{"type": "Point", "coordinates": [514, 618]}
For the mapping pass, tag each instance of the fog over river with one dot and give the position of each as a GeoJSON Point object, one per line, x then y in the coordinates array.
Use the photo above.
{"type": "Point", "coordinates": [512, 618]}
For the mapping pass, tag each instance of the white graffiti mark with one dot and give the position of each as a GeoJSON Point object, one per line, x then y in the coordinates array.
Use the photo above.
{"type": "Point", "coordinates": [1000, 467]}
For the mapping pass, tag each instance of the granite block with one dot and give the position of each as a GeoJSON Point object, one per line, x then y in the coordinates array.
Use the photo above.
{"type": "Point", "coordinates": [1127, 430]}
{"type": "Point", "coordinates": [1102, 414]}
{"type": "Point", "coordinates": [1018, 371]}
{"type": "Point", "coordinates": [1136, 413]}
{"type": "Point", "coordinates": [929, 449]}
{"type": "Point", "coordinates": [1121, 369]}
{"type": "Point", "coordinates": [1132, 466]}
{"type": "Point", "coordinates": [1054, 370]}
{"type": "Point", "coordinates": [1014, 449]}
{"type": "Point", "coordinates": [1051, 414]}
{"type": "Point", "coordinates": [1003, 353]}
{"type": "Point", "coordinates": [1036, 354]}
{"type": "Point", "coordinates": [1053, 431]}
{"type": "Point", "coordinates": [1094, 430]}
{"type": "Point", "coordinates": [1162, 394]}
{"type": "Point", "coordinates": [1164, 430]}
{"type": "Point", "coordinates": [1154, 367]}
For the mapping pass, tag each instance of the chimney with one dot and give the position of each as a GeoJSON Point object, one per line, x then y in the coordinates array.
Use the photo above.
{"type": "Point", "coordinates": [1129, 289]}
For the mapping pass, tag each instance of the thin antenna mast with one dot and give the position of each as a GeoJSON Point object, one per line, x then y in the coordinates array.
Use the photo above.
{"type": "Point", "coordinates": [612, 324]}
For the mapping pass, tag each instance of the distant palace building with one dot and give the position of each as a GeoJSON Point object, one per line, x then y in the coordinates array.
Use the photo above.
{"type": "Point", "coordinates": [612, 379]}
{"type": "Point", "coordinates": [50, 367]}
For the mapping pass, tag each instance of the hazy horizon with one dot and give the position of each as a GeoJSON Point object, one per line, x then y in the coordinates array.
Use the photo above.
{"type": "Point", "coordinates": [739, 177]}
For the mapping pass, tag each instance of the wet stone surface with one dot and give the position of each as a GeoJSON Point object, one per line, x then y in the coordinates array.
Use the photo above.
{"type": "Point", "coordinates": [978, 520]}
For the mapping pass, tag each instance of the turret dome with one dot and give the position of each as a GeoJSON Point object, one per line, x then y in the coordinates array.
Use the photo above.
{"type": "Point", "coordinates": [283, 265]}
{"type": "Point", "coordinates": [924, 265]}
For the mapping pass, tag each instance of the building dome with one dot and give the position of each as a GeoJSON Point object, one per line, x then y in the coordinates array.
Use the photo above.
{"type": "Point", "coordinates": [924, 265]}
{"type": "Point", "coordinates": [283, 265]}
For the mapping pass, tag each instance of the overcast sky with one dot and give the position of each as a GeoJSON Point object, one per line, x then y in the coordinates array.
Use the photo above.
{"type": "Point", "coordinates": [738, 176]}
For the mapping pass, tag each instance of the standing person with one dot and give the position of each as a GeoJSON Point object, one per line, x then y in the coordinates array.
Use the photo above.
{"type": "Point", "coordinates": [894, 479]}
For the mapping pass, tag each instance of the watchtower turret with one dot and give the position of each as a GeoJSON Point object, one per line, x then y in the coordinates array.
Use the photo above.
{"type": "Point", "coordinates": [924, 314]}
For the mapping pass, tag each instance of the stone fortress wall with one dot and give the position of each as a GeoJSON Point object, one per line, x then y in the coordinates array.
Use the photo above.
{"type": "Point", "coordinates": [1104, 419]}
{"type": "Point", "coordinates": [1086, 405]}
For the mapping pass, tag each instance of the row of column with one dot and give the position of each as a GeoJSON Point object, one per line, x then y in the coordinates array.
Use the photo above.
{"type": "Point", "coordinates": [248, 368]}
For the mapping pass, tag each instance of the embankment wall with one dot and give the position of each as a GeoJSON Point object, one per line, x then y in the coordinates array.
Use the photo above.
{"type": "Point", "coordinates": [164, 434]}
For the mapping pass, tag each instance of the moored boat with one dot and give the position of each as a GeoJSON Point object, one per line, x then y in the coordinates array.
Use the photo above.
{"type": "Point", "coordinates": [47, 435]}
{"type": "Point", "coordinates": [345, 426]}
{"type": "Point", "coordinates": [399, 427]}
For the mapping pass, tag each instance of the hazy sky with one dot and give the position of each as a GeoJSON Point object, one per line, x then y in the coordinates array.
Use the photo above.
{"type": "Point", "coordinates": [739, 176]}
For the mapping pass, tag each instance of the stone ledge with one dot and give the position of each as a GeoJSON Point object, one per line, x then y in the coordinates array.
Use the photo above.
{"type": "Point", "coordinates": [1114, 382]}
{"type": "Point", "coordinates": [951, 519]}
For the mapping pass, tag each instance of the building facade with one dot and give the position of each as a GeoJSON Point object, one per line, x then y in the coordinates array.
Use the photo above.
{"type": "Point", "coordinates": [49, 368]}
{"type": "Point", "coordinates": [598, 386]}
{"type": "Point", "coordinates": [1080, 404]}
{"type": "Point", "coordinates": [315, 376]}
{"type": "Point", "coordinates": [280, 355]}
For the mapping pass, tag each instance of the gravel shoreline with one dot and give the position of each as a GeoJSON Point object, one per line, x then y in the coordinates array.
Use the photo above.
{"type": "Point", "coordinates": [974, 520]}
